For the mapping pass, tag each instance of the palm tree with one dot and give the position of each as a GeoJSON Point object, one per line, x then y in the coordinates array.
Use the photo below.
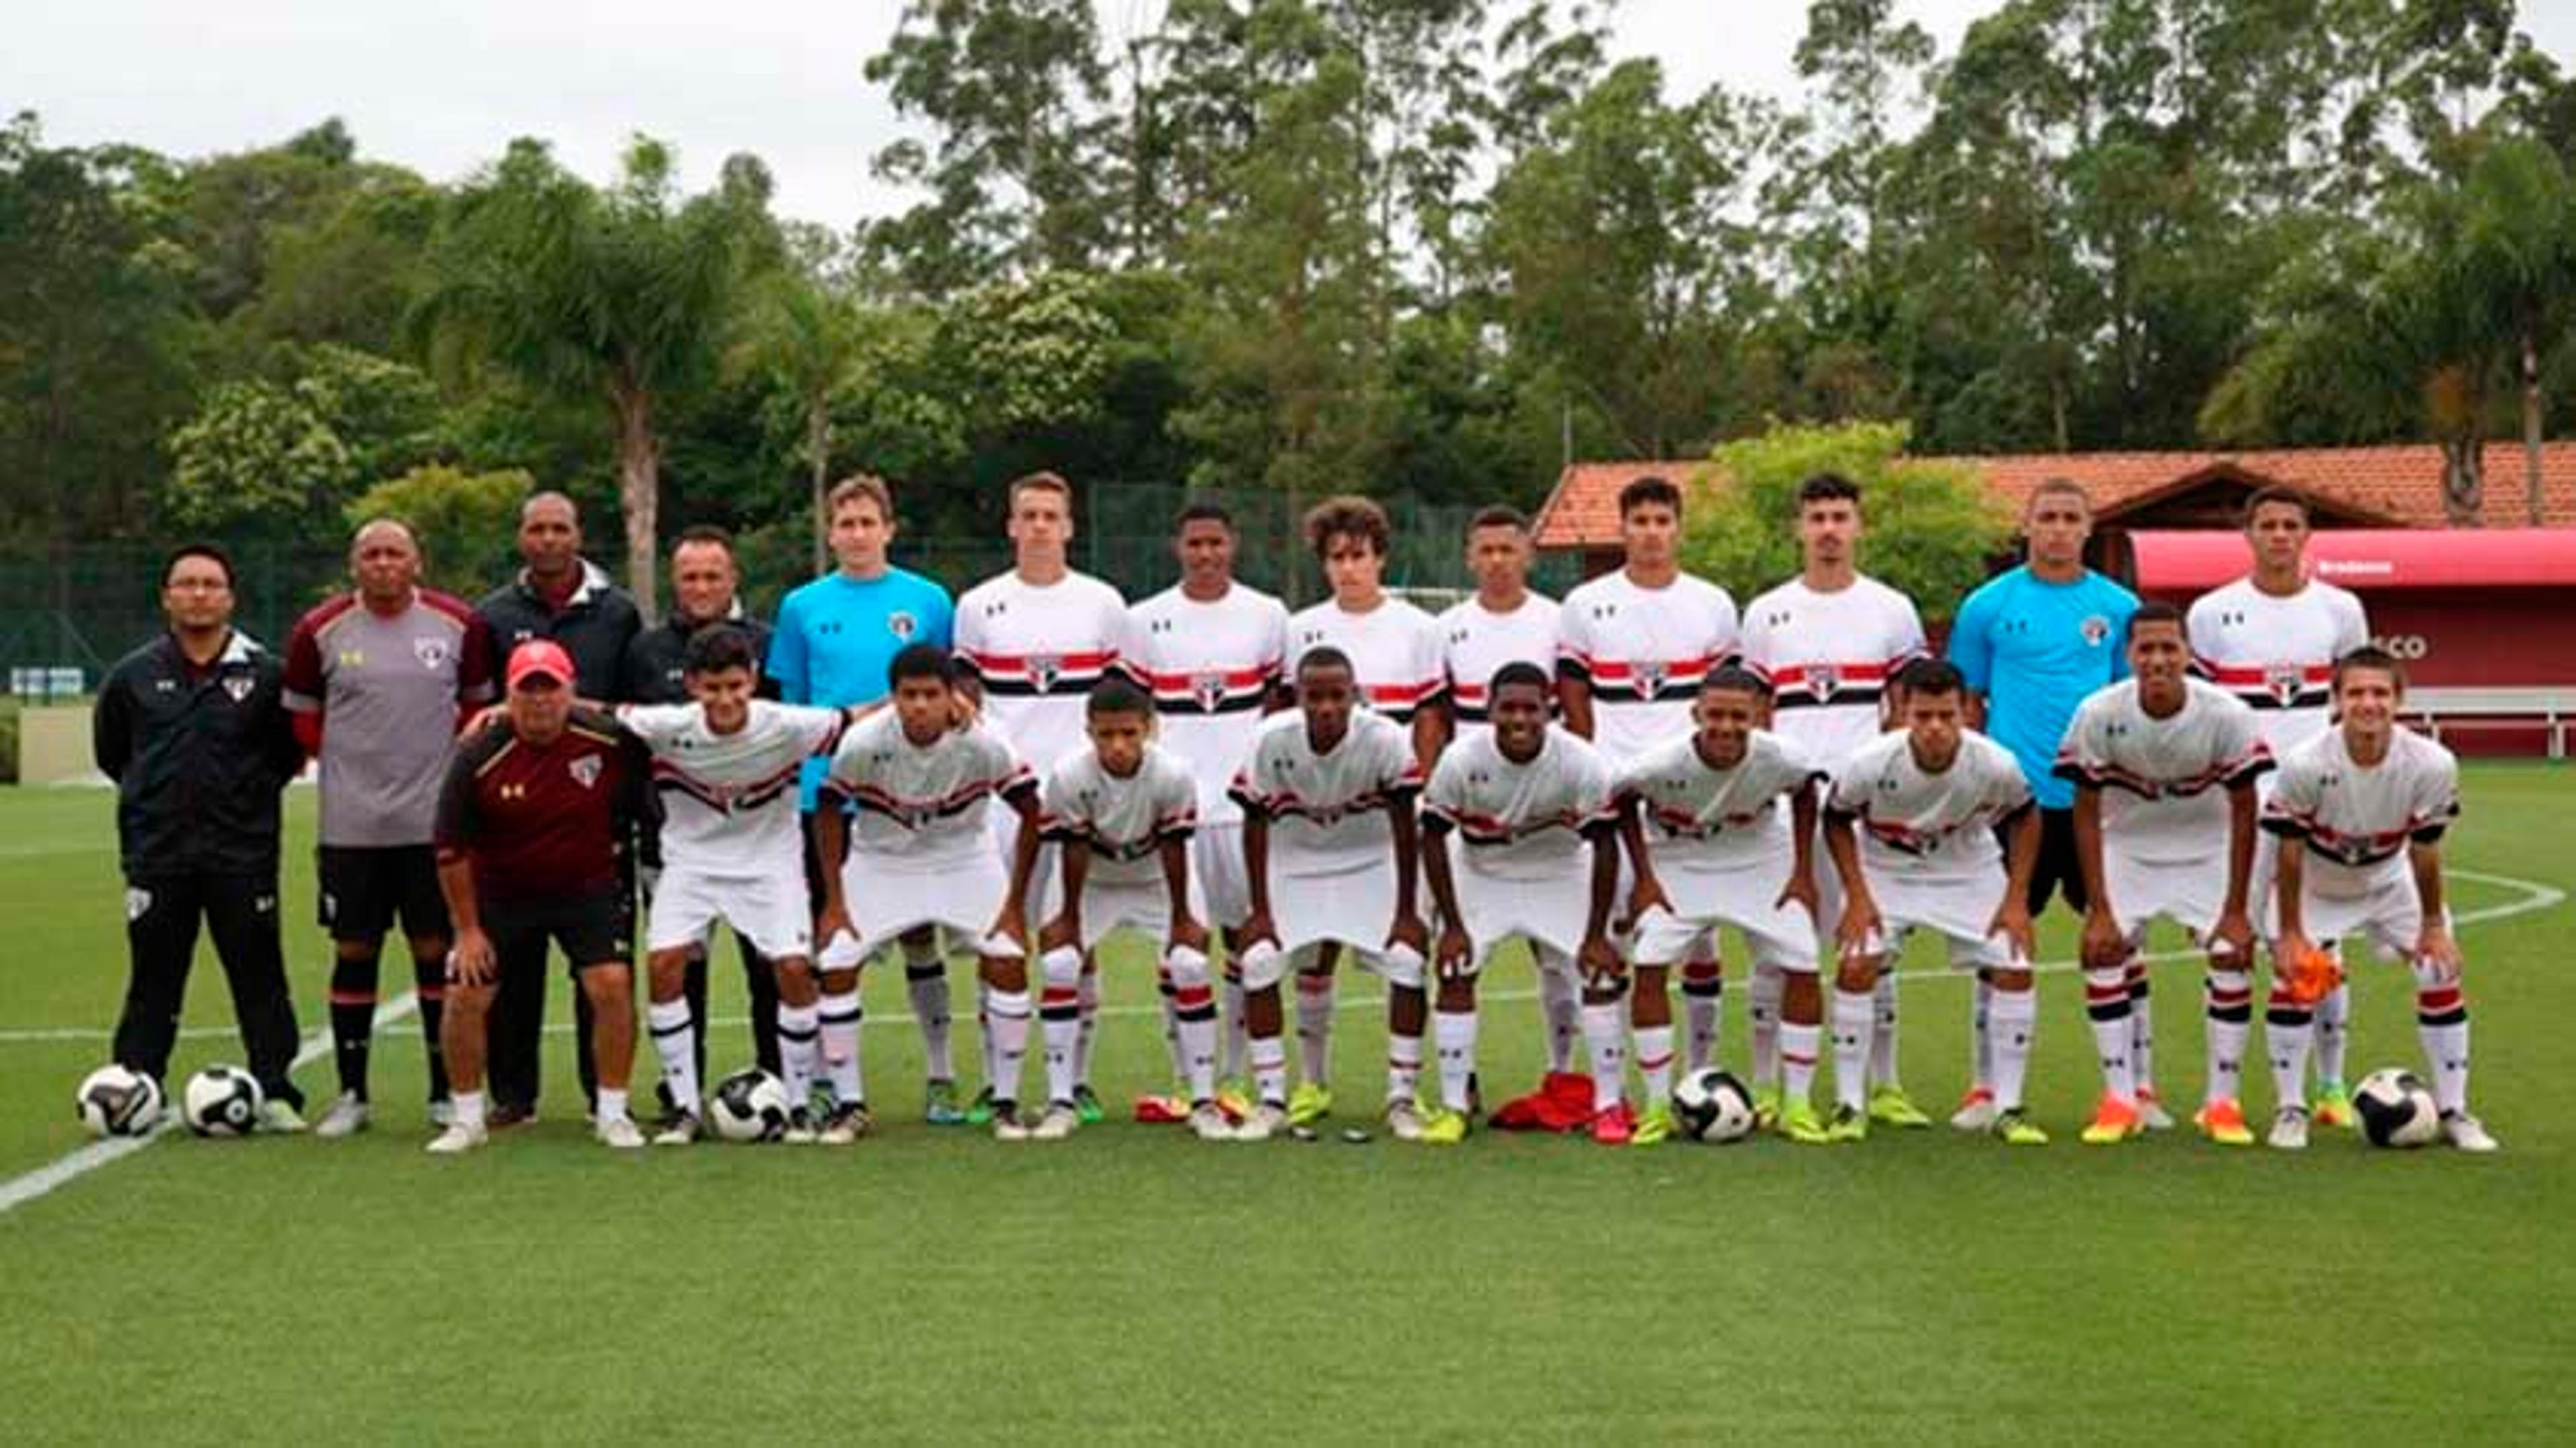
{"type": "Point", "coordinates": [810, 335]}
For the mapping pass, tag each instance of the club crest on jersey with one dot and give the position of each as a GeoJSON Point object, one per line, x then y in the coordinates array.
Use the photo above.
{"type": "Point", "coordinates": [2095, 630]}
{"type": "Point", "coordinates": [902, 624]}
{"type": "Point", "coordinates": [1044, 670]}
{"type": "Point", "coordinates": [1209, 690]}
{"type": "Point", "coordinates": [2284, 680]}
{"type": "Point", "coordinates": [431, 652]}
{"type": "Point", "coordinates": [1823, 680]}
{"type": "Point", "coordinates": [585, 771]}
{"type": "Point", "coordinates": [1650, 680]}
{"type": "Point", "coordinates": [239, 687]}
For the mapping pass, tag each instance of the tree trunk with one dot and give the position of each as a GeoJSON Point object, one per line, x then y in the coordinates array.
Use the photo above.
{"type": "Point", "coordinates": [818, 446]}
{"type": "Point", "coordinates": [639, 489]}
{"type": "Point", "coordinates": [2531, 491]}
{"type": "Point", "coordinates": [2464, 479]}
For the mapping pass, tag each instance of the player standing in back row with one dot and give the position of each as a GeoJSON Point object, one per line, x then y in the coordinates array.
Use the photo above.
{"type": "Point", "coordinates": [2271, 638]}
{"type": "Point", "coordinates": [1638, 644]}
{"type": "Point", "coordinates": [1830, 642]}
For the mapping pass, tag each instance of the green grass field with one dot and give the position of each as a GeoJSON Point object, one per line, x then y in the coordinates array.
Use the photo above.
{"type": "Point", "coordinates": [932, 1284]}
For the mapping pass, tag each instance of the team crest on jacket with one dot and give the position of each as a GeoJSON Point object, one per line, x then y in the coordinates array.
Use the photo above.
{"type": "Point", "coordinates": [585, 771]}
{"type": "Point", "coordinates": [902, 624]}
{"type": "Point", "coordinates": [239, 687]}
{"type": "Point", "coordinates": [431, 652]}
{"type": "Point", "coordinates": [2285, 681]}
{"type": "Point", "coordinates": [1209, 690]}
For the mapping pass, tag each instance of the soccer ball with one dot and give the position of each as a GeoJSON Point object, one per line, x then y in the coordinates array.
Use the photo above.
{"type": "Point", "coordinates": [1711, 1105]}
{"type": "Point", "coordinates": [221, 1101]}
{"type": "Point", "coordinates": [113, 1101]}
{"type": "Point", "coordinates": [749, 1105]}
{"type": "Point", "coordinates": [2396, 1109]}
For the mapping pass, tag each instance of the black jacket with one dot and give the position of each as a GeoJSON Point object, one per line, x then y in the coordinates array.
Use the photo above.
{"type": "Point", "coordinates": [198, 758]}
{"type": "Point", "coordinates": [652, 670]}
{"type": "Point", "coordinates": [594, 628]}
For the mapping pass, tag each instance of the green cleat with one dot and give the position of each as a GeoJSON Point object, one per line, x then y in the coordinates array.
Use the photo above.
{"type": "Point", "coordinates": [2333, 1107]}
{"type": "Point", "coordinates": [1442, 1127]}
{"type": "Point", "coordinates": [1766, 1107]}
{"type": "Point", "coordinates": [939, 1105]}
{"type": "Point", "coordinates": [1654, 1127]}
{"type": "Point", "coordinates": [1308, 1104]}
{"type": "Point", "coordinates": [2012, 1128]}
{"type": "Point", "coordinates": [1086, 1104]}
{"type": "Point", "coordinates": [980, 1113]}
{"type": "Point", "coordinates": [1888, 1103]}
{"type": "Point", "coordinates": [1799, 1123]}
{"type": "Point", "coordinates": [1847, 1124]}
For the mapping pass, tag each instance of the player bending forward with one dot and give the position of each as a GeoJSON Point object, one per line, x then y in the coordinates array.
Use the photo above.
{"type": "Point", "coordinates": [2164, 765]}
{"type": "Point", "coordinates": [1121, 812]}
{"type": "Point", "coordinates": [920, 854]}
{"type": "Point", "coordinates": [1708, 848]}
{"type": "Point", "coordinates": [2370, 802]}
{"type": "Point", "coordinates": [1328, 789]}
{"type": "Point", "coordinates": [1531, 807]}
{"type": "Point", "coordinates": [1911, 822]}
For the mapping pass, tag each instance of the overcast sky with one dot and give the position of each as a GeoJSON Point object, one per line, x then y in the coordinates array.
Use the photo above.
{"type": "Point", "coordinates": [442, 86]}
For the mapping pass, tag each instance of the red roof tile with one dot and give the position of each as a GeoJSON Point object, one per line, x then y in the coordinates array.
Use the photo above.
{"type": "Point", "coordinates": [2389, 486]}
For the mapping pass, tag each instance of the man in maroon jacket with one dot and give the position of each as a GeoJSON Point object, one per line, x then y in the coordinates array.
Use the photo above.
{"type": "Point", "coordinates": [536, 811]}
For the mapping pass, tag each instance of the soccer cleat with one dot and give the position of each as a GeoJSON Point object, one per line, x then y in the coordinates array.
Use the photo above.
{"type": "Point", "coordinates": [680, 1128]}
{"type": "Point", "coordinates": [1614, 1125]}
{"type": "Point", "coordinates": [1061, 1120]}
{"type": "Point", "coordinates": [844, 1124]}
{"type": "Point", "coordinates": [2290, 1129]}
{"type": "Point", "coordinates": [800, 1126]}
{"type": "Point", "coordinates": [1799, 1123]}
{"type": "Point", "coordinates": [458, 1138]}
{"type": "Point", "coordinates": [1847, 1124]}
{"type": "Point", "coordinates": [1404, 1119]}
{"type": "Point", "coordinates": [1443, 1127]}
{"type": "Point", "coordinates": [2012, 1128]}
{"type": "Point", "coordinates": [1890, 1106]}
{"type": "Point", "coordinates": [2223, 1122]}
{"type": "Point", "coordinates": [1976, 1111]}
{"type": "Point", "coordinates": [979, 1112]}
{"type": "Point", "coordinates": [1207, 1123]}
{"type": "Point", "coordinates": [1654, 1127]}
{"type": "Point", "coordinates": [619, 1132]}
{"type": "Point", "coordinates": [2333, 1106]}
{"type": "Point", "coordinates": [347, 1117]}
{"type": "Point", "coordinates": [442, 1112]}
{"type": "Point", "coordinates": [1162, 1110]}
{"type": "Point", "coordinates": [1086, 1104]}
{"type": "Point", "coordinates": [1766, 1107]}
{"type": "Point", "coordinates": [2151, 1110]}
{"type": "Point", "coordinates": [1007, 1125]}
{"type": "Point", "coordinates": [1308, 1104]}
{"type": "Point", "coordinates": [2114, 1121]}
{"type": "Point", "coordinates": [939, 1104]}
{"type": "Point", "coordinates": [278, 1118]}
{"type": "Point", "coordinates": [1263, 1122]}
{"type": "Point", "coordinates": [2468, 1133]}
{"type": "Point", "coordinates": [1234, 1098]}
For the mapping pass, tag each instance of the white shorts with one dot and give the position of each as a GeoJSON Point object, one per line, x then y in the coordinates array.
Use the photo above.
{"type": "Point", "coordinates": [1782, 937]}
{"type": "Point", "coordinates": [964, 896]}
{"type": "Point", "coordinates": [1216, 867]}
{"type": "Point", "coordinates": [1959, 909]}
{"type": "Point", "coordinates": [2190, 893]}
{"type": "Point", "coordinates": [2391, 917]}
{"type": "Point", "coordinates": [1046, 880]}
{"type": "Point", "coordinates": [1355, 908]}
{"type": "Point", "coordinates": [767, 909]}
{"type": "Point", "coordinates": [1108, 907]}
{"type": "Point", "coordinates": [1549, 914]}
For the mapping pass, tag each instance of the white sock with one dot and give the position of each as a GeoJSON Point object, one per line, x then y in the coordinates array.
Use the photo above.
{"type": "Point", "coordinates": [2106, 1003]}
{"type": "Point", "coordinates": [1087, 997]}
{"type": "Point", "coordinates": [796, 1052]}
{"type": "Point", "coordinates": [1655, 1063]}
{"type": "Point", "coordinates": [2442, 1024]}
{"type": "Point", "coordinates": [1882, 1045]}
{"type": "Point", "coordinates": [612, 1103]}
{"type": "Point", "coordinates": [1194, 1033]}
{"type": "Point", "coordinates": [2230, 1017]}
{"type": "Point", "coordinates": [1981, 1039]}
{"type": "Point", "coordinates": [1060, 1019]}
{"type": "Point", "coordinates": [1563, 1008]}
{"type": "Point", "coordinates": [1854, 1017]}
{"type": "Point", "coordinates": [1704, 1012]}
{"type": "Point", "coordinates": [675, 1042]}
{"type": "Point", "coordinates": [2288, 1030]}
{"type": "Point", "coordinates": [1797, 1061]}
{"type": "Point", "coordinates": [2334, 1019]}
{"type": "Point", "coordinates": [1454, 1033]}
{"type": "Point", "coordinates": [1605, 1035]}
{"type": "Point", "coordinates": [1238, 1054]}
{"type": "Point", "coordinates": [1315, 1027]}
{"type": "Point", "coordinates": [469, 1108]}
{"type": "Point", "coordinates": [1010, 1032]}
{"type": "Point", "coordinates": [1269, 1056]}
{"type": "Point", "coordinates": [839, 1024]}
{"type": "Point", "coordinates": [2142, 1029]}
{"type": "Point", "coordinates": [926, 982]}
{"type": "Point", "coordinates": [1762, 1009]}
{"type": "Point", "coordinates": [1404, 1063]}
{"type": "Point", "coordinates": [2014, 1016]}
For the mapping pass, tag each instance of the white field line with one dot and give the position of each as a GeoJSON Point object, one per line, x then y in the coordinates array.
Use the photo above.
{"type": "Point", "coordinates": [69, 1167]}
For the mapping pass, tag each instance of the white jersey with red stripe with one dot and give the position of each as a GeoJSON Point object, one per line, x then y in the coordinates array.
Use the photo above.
{"type": "Point", "coordinates": [2356, 822]}
{"type": "Point", "coordinates": [1915, 824]}
{"type": "Point", "coordinates": [1643, 652]}
{"type": "Point", "coordinates": [1122, 821]}
{"type": "Point", "coordinates": [1522, 821]}
{"type": "Point", "coordinates": [1829, 658]}
{"type": "Point", "coordinates": [1210, 666]}
{"type": "Point", "coordinates": [1329, 811]}
{"type": "Point", "coordinates": [729, 800]}
{"type": "Point", "coordinates": [2277, 652]}
{"type": "Point", "coordinates": [2164, 782]}
{"type": "Point", "coordinates": [920, 806]}
{"type": "Point", "coordinates": [1394, 650]}
{"type": "Point", "coordinates": [1700, 817]}
{"type": "Point", "coordinates": [1475, 644]}
{"type": "Point", "coordinates": [1037, 650]}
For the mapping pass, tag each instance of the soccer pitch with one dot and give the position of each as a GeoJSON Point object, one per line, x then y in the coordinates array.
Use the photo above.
{"type": "Point", "coordinates": [1132, 1283]}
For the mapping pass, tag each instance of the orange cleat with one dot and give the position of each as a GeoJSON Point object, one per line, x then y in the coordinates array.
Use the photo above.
{"type": "Point", "coordinates": [2115, 1120]}
{"type": "Point", "coordinates": [2224, 1122]}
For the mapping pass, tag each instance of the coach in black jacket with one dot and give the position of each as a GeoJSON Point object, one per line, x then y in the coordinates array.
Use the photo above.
{"type": "Point", "coordinates": [193, 728]}
{"type": "Point", "coordinates": [562, 596]}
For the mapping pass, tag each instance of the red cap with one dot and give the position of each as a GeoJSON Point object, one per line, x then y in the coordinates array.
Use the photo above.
{"type": "Point", "coordinates": [539, 656]}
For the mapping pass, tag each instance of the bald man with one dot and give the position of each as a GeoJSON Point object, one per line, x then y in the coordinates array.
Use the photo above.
{"type": "Point", "coordinates": [562, 596]}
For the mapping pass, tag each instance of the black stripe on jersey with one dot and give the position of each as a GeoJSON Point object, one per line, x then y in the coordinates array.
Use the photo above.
{"type": "Point", "coordinates": [1848, 694]}
{"type": "Point", "coordinates": [1008, 687]}
{"type": "Point", "coordinates": [2266, 699]}
{"type": "Point", "coordinates": [1188, 706]}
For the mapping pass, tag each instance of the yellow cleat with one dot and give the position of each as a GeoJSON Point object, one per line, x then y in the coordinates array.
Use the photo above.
{"type": "Point", "coordinates": [2114, 1121]}
{"type": "Point", "coordinates": [1799, 1123]}
{"type": "Point", "coordinates": [2224, 1123]}
{"type": "Point", "coordinates": [1766, 1107]}
{"type": "Point", "coordinates": [1654, 1128]}
{"type": "Point", "coordinates": [1443, 1127]}
{"type": "Point", "coordinates": [2012, 1128]}
{"type": "Point", "coordinates": [1890, 1106]}
{"type": "Point", "coordinates": [1308, 1104]}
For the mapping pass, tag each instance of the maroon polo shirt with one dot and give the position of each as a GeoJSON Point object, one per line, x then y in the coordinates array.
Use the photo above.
{"type": "Point", "coordinates": [549, 822]}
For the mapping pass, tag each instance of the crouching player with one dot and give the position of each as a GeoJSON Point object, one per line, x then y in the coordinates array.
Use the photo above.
{"type": "Point", "coordinates": [2361, 810]}
{"type": "Point", "coordinates": [1328, 790]}
{"type": "Point", "coordinates": [1699, 816]}
{"type": "Point", "coordinates": [920, 854]}
{"type": "Point", "coordinates": [1912, 821]}
{"type": "Point", "coordinates": [726, 765]}
{"type": "Point", "coordinates": [2164, 766]}
{"type": "Point", "coordinates": [535, 815]}
{"type": "Point", "coordinates": [1530, 806]}
{"type": "Point", "coordinates": [1122, 812]}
